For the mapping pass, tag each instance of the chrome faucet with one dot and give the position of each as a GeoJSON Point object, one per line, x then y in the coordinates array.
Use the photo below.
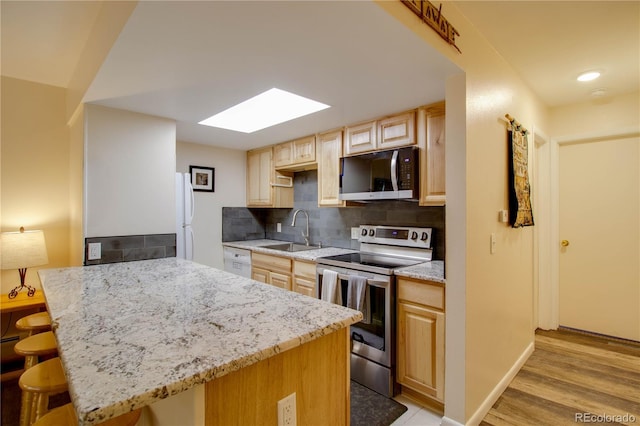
{"type": "Point", "coordinates": [293, 223]}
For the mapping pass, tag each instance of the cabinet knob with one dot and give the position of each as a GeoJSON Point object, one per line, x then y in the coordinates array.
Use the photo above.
{"type": "Point", "coordinates": [565, 243]}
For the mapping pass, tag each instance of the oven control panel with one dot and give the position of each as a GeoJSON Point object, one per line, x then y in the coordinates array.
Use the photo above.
{"type": "Point", "coordinates": [396, 235]}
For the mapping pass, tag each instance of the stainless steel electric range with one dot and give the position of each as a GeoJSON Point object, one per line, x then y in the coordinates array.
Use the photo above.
{"type": "Point", "coordinates": [382, 250]}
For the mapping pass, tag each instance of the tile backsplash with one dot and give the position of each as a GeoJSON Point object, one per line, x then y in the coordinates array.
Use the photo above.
{"type": "Point", "coordinates": [128, 248]}
{"type": "Point", "coordinates": [327, 225]}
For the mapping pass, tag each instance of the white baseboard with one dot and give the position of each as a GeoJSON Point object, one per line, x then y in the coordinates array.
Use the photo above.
{"type": "Point", "coordinates": [486, 405]}
{"type": "Point", "coordinates": [446, 421]}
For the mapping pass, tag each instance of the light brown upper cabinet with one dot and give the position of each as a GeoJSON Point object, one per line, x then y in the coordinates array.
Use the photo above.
{"type": "Point", "coordinates": [296, 154]}
{"type": "Point", "coordinates": [361, 137]}
{"type": "Point", "coordinates": [386, 133]}
{"type": "Point", "coordinates": [397, 130]}
{"type": "Point", "coordinates": [267, 187]}
{"type": "Point", "coordinates": [431, 140]}
{"type": "Point", "coordinates": [329, 151]}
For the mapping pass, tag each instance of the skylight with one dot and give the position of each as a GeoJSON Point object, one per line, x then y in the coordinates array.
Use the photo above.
{"type": "Point", "coordinates": [267, 109]}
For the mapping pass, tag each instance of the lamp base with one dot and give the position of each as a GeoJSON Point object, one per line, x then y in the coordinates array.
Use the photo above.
{"type": "Point", "coordinates": [30, 291]}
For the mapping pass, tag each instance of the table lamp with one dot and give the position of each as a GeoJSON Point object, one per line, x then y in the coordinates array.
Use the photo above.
{"type": "Point", "coordinates": [22, 250]}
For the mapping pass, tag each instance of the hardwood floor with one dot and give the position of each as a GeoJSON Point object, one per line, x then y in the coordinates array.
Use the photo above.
{"type": "Point", "coordinates": [572, 378]}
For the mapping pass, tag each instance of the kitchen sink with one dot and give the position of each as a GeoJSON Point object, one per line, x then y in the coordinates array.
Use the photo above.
{"type": "Point", "coordinates": [289, 247]}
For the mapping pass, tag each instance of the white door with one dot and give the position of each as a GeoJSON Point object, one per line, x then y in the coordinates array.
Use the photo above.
{"type": "Point", "coordinates": [599, 265]}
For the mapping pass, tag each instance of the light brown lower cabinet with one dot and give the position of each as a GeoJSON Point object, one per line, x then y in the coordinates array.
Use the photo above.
{"type": "Point", "coordinates": [420, 342]}
{"type": "Point", "coordinates": [304, 277]}
{"type": "Point", "coordinates": [274, 270]}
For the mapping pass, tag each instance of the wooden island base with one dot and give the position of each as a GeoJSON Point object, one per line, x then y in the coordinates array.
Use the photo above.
{"type": "Point", "coordinates": [318, 372]}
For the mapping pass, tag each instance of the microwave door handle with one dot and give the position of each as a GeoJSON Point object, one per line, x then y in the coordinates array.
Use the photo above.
{"type": "Point", "coordinates": [394, 170]}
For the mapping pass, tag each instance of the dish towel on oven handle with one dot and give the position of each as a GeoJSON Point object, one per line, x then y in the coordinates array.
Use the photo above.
{"type": "Point", "coordinates": [358, 296]}
{"type": "Point", "coordinates": [330, 288]}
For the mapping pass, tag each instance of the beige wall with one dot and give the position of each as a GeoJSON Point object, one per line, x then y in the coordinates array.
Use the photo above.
{"type": "Point", "coordinates": [493, 292]}
{"type": "Point", "coordinates": [230, 188]}
{"type": "Point", "coordinates": [586, 120]}
{"type": "Point", "coordinates": [35, 169]}
{"type": "Point", "coordinates": [111, 19]}
{"type": "Point", "coordinates": [76, 188]}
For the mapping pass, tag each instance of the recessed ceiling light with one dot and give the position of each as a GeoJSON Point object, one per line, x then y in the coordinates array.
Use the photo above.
{"type": "Point", "coordinates": [588, 76]}
{"type": "Point", "coordinates": [267, 109]}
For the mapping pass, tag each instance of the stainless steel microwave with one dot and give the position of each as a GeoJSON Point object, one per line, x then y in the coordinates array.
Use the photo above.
{"type": "Point", "coordinates": [381, 175]}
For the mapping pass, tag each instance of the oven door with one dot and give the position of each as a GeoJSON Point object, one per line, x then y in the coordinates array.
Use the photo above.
{"type": "Point", "coordinates": [372, 337]}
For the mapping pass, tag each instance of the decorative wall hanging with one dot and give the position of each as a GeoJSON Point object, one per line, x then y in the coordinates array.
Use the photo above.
{"type": "Point", "coordinates": [202, 178]}
{"type": "Point", "coordinates": [520, 212]}
{"type": "Point", "coordinates": [432, 16]}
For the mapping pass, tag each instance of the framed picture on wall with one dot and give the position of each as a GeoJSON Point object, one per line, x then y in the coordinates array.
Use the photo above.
{"type": "Point", "coordinates": [202, 178]}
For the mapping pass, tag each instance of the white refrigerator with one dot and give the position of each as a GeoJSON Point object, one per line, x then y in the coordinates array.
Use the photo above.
{"type": "Point", "coordinates": [185, 206]}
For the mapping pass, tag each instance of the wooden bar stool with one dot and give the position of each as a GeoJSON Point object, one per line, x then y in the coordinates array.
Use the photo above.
{"type": "Point", "coordinates": [38, 345]}
{"type": "Point", "coordinates": [37, 384]}
{"type": "Point", "coordinates": [35, 323]}
{"type": "Point", "coordinates": [66, 415]}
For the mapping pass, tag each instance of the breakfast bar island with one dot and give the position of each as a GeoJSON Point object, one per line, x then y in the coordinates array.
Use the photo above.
{"type": "Point", "coordinates": [196, 345]}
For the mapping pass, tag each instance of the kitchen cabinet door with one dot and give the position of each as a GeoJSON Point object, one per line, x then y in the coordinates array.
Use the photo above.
{"type": "Point", "coordinates": [267, 187]}
{"type": "Point", "coordinates": [260, 274]}
{"type": "Point", "coordinates": [397, 130]}
{"type": "Point", "coordinates": [280, 280]}
{"type": "Point", "coordinates": [360, 138]}
{"type": "Point", "coordinates": [283, 154]}
{"type": "Point", "coordinates": [259, 167]}
{"type": "Point", "coordinates": [329, 151]}
{"type": "Point", "coordinates": [420, 337]}
{"type": "Point", "coordinates": [304, 150]}
{"type": "Point", "coordinates": [431, 139]}
{"type": "Point", "coordinates": [304, 277]}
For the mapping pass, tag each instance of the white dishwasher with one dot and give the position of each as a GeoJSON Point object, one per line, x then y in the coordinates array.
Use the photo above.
{"type": "Point", "coordinates": [237, 261]}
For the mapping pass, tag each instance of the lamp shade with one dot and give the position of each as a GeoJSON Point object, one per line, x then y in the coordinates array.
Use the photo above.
{"type": "Point", "coordinates": [23, 249]}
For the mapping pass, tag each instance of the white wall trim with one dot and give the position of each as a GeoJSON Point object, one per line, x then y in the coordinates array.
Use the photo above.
{"type": "Point", "coordinates": [542, 297]}
{"type": "Point", "coordinates": [502, 385]}
{"type": "Point", "coordinates": [446, 421]}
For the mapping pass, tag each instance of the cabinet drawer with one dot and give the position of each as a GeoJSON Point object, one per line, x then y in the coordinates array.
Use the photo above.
{"type": "Point", "coordinates": [304, 269]}
{"type": "Point", "coordinates": [305, 286]}
{"type": "Point", "coordinates": [421, 292]}
{"type": "Point", "coordinates": [272, 263]}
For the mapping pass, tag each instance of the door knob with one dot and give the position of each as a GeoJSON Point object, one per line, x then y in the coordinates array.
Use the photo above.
{"type": "Point", "coordinates": [565, 243]}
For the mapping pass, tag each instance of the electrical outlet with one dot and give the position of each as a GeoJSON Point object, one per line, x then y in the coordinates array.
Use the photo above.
{"type": "Point", "coordinates": [355, 233]}
{"type": "Point", "coordinates": [287, 411]}
{"type": "Point", "coordinates": [278, 227]}
{"type": "Point", "coordinates": [95, 251]}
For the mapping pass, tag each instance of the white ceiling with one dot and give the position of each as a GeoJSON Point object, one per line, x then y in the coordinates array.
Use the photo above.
{"type": "Point", "coordinates": [550, 43]}
{"type": "Point", "coordinates": [189, 60]}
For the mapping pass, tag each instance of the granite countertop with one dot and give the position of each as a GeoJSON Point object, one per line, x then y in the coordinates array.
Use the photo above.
{"type": "Point", "coordinates": [130, 334]}
{"type": "Point", "coordinates": [312, 255]}
{"type": "Point", "coordinates": [431, 271]}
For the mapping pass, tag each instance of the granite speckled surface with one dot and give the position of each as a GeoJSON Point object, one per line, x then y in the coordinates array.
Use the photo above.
{"type": "Point", "coordinates": [312, 255]}
{"type": "Point", "coordinates": [130, 334]}
{"type": "Point", "coordinates": [432, 271]}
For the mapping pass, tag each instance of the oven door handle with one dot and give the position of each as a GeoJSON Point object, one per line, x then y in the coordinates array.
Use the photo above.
{"type": "Point", "coordinates": [375, 283]}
